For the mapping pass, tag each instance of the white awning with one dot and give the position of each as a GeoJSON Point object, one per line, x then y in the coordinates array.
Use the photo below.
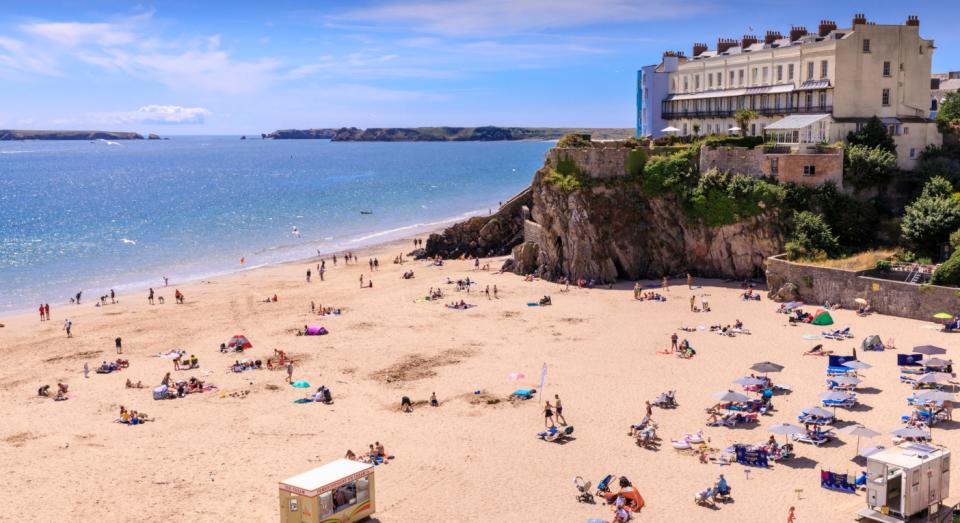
{"type": "Point", "coordinates": [795, 122]}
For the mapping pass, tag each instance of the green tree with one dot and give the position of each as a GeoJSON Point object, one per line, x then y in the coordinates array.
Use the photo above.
{"type": "Point", "coordinates": [949, 112]}
{"type": "Point", "coordinates": [948, 273]}
{"type": "Point", "coordinates": [811, 238]}
{"type": "Point", "coordinates": [696, 129]}
{"type": "Point", "coordinates": [867, 167]}
{"type": "Point", "coordinates": [743, 118]}
{"type": "Point", "coordinates": [929, 220]}
{"type": "Point", "coordinates": [873, 134]}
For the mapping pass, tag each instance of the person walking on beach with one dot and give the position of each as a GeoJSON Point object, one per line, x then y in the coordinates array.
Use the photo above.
{"type": "Point", "coordinates": [791, 516]}
{"type": "Point", "coordinates": [649, 409]}
{"type": "Point", "coordinates": [166, 281]}
{"type": "Point", "coordinates": [78, 297]}
{"type": "Point", "coordinates": [67, 326]}
{"type": "Point", "coordinates": [320, 271]}
{"type": "Point", "coordinates": [673, 341]}
{"type": "Point", "coordinates": [693, 301]}
{"type": "Point", "coordinates": [334, 260]}
{"type": "Point", "coordinates": [376, 264]}
{"type": "Point", "coordinates": [370, 263]}
{"type": "Point", "coordinates": [308, 275]}
{"type": "Point", "coordinates": [119, 343]}
{"type": "Point", "coordinates": [86, 370]}
{"type": "Point", "coordinates": [495, 292]}
{"type": "Point", "coordinates": [42, 318]}
{"type": "Point", "coordinates": [46, 310]}
{"type": "Point", "coordinates": [113, 296]}
{"type": "Point", "coordinates": [361, 281]}
{"type": "Point", "coordinates": [548, 415]}
{"type": "Point", "coordinates": [665, 284]}
{"type": "Point", "coordinates": [704, 304]}
{"type": "Point", "coordinates": [559, 405]}
{"type": "Point", "coordinates": [150, 296]}
{"type": "Point", "coordinates": [289, 372]}
{"type": "Point", "coordinates": [689, 281]}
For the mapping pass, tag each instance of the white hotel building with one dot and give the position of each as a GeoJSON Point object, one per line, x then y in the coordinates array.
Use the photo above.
{"type": "Point", "coordinates": [806, 87]}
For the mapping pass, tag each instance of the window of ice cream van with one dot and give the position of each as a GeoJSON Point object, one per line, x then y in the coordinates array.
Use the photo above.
{"type": "Point", "coordinates": [344, 497]}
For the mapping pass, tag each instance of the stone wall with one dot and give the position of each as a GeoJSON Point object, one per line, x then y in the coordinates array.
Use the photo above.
{"type": "Point", "coordinates": [828, 167]}
{"type": "Point", "coordinates": [532, 232]}
{"type": "Point", "coordinates": [819, 284]}
{"type": "Point", "coordinates": [598, 162]}
{"type": "Point", "coordinates": [739, 160]}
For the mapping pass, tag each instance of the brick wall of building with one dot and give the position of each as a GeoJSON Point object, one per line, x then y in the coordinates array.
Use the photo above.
{"type": "Point", "coordinates": [739, 160]}
{"type": "Point", "coordinates": [828, 168]}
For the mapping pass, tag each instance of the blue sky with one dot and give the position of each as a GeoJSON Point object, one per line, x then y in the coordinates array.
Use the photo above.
{"type": "Point", "coordinates": [192, 67]}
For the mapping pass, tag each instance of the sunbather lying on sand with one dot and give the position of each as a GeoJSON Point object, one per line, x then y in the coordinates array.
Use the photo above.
{"type": "Point", "coordinates": [131, 385]}
{"type": "Point", "coordinates": [817, 350]}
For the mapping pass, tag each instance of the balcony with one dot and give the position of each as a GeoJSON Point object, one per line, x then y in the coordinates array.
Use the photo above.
{"type": "Point", "coordinates": [729, 113]}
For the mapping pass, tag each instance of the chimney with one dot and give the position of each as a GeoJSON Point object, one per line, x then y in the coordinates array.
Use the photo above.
{"type": "Point", "coordinates": [723, 44]}
{"type": "Point", "coordinates": [699, 49]}
{"type": "Point", "coordinates": [748, 40]}
{"type": "Point", "coordinates": [913, 21]}
{"type": "Point", "coordinates": [859, 19]}
{"type": "Point", "coordinates": [772, 36]}
{"type": "Point", "coordinates": [826, 26]}
{"type": "Point", "coordinates": [796, 32]}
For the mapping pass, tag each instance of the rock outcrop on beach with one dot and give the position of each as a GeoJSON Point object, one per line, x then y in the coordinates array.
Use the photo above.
{"type": "Point", "coordinates": [493, 235]}
{"type": "Point", "coordinates": [444, 134]}
{"type": "Point", "coordinates": [153, 136]}
{"type": "Point", "coordinates": [610, 232]}
{"type": "Point", "coordinates": [13, 134]}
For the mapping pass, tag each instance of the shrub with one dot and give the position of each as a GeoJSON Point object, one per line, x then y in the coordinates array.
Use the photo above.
{"type": "Point", "coordinates": [930, 219]}
{"type": "Point", "coordinates": [867, 167]}
{"type": "Point", "coordinates": [955, 239]}
{"type": "Point", "coordinates": [575, 140]}
{"type": "Point", "coordinates": [743, 117]}
{"type": "Point", "coordinates": [722, 199]}
{"type": "Point", "coordinates": [949, 112]}
{"type": "Point", "coordinates": [873, 134]}
{"type": "Point", "coordinates": [566, 176]}
{"type": "Point", "coordinates": [884, 265]}
{"type": "Point", "coordinates": [668, 173]}
{"type": "Point", "coordinates": [811, 238]}
{"type": "Point", "coordinates": [636, 160]}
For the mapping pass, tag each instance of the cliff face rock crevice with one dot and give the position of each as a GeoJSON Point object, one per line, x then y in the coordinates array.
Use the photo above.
{"type": "Point", "coordinates": [493, 235]}
{"type": "Point", "coordinates": [614, 231]}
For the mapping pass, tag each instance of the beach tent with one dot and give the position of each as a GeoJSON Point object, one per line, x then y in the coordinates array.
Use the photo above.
{"type": "Point", "coordinates": [239, 341]}
{"type": "Point", "coordinates": [315, 330]}
{"type": "Point", "coordinates": [872, 343]}
{"type": "Point", "coordinates": [822, 317]}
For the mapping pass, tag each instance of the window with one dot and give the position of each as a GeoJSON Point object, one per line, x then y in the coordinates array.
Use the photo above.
{"type": "Point", "coordinates": [709, 80]}
{"type": "Point", "coordinates": [866, 45]}
{"type": "Point", "coordinates": [774, 166]}
{"type": "Point", "coordinates": [823, 99]}
{"type": "Point", "coordinates": [809, 100]}
{"type": "Point", "coordinates": [686, 84]}
{"type": "Point", "coordinates": [696, 82]}
{"type": "Point", "coordinates": [753, 129]}
{"type": "Point", "coordinates": [886, 68]}
{"type": "Point", "coordinates": [740, 77]}
{"type": "Point", "coordinates": [790, 72]}
{"type": "Point", "coordinates": [823, 68]}
{"type": "Point", "coordinates": [809, 170]}
{"type": "Point", "coordinates": [673, 84]}
{"type": "Point", "coordinates": [753, 77]}
{"type": "Point", "coordinates": [933, 104]}
{"type": "Point", "coordinates": [809, 70]}
{"type": "Point", "coordinates": [684, 129]}
{"type": "Point", "coordinates": [906, 130]}
{"type": "Point", "coordinates": [779, 73]}
{"type": "Point", "coordinates": [719, 79]}
{"type": "Point", "coordinates": [344, 496]}
{"type": "Point", "coordinates": [766, 70]}
{"type": "Point", "coordinates": [913, 153]}
{"type": "Point", "coordinates": [886, 97]}
{"type": "Point", "coordinates": [731, 77]}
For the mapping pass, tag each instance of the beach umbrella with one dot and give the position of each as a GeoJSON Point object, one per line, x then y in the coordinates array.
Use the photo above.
{"type": "Point", "coordinates": [936, 362]}
{"type": "Point", "coordinates": [844, 380]}
{"type": "Point", "coordinates": [301, 384]}
{"type": "Point", "coordinates": [860, 432]}
{"type": "Point", "coordinates": [731, 396]}
{"type": "Point", "coordinates": [934, 377]}
{"type": "Point", "coordinates": [818, 412]}
{"type": "Point", "coordinates": [860, 301]}
{"type": "Point", "coordinates": [670, 129]}
{"type": "Point", "coordinates": [748, 381]}
{"type": "Point", "coordinates": [857, 365]}
{"type": "Point", "coordinates": [785, 429]}
{"type": "Point", "coordinates": [733, 129]}
{"type": "Point", "coordinates": [835, 395]}
{"type": "Point", "coordinates": [929, 350]}
{"type": "Point", "coordinates": [515, 376]}
{"type": "Point", "coordinates": [766, 366]}
{"type": "Point", "coordinates": [910, 432]}
{"type": "Point", "coordinates": [935, 395]}
{"type": "Point", "coordinates": [943, 316]}
{"type": "Point", "coordinates": [870, 451]}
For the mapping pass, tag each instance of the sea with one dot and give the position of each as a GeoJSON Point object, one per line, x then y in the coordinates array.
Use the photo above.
{"type": "Point", "coordinates": [93, 216]}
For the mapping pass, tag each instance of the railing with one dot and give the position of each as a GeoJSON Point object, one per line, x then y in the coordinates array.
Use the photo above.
{"type": "Point", "coordinates": [728, 113]}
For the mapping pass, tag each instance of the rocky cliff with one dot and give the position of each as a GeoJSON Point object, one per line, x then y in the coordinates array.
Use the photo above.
{"type": "Point", "coordinates": [300, 134]}
{"type": "Point", "coordinates": [493, 235]}
{"type": "Point", "coordinates": [612, 230]}
{"type": "Point", "coordinates": [12, 134]}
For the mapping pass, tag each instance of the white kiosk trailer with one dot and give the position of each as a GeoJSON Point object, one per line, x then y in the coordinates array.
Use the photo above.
{"type": "Point", "coordinates": [339, 492]}
{"type": "Point", "coordinates": [907, 483]}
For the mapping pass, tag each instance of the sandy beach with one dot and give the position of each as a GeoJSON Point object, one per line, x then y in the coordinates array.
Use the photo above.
{"type": "Point", "coordinates": [218, 455]}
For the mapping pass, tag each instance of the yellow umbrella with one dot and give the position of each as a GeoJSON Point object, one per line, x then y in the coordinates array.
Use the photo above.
{"type": "Point", "coordinates": [861, 301]}
{"type": "Point", "coordinates": [943, 316]}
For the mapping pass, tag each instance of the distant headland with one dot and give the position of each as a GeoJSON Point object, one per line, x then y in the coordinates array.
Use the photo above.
{"type": "Point", "coordinates": [12, 134]}
{"type": "Point", "coordinates": [445, 134]}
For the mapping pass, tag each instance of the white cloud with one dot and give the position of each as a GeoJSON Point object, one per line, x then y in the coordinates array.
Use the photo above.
{"type": "Point", "coordinates": [17, 56]}
{"type": "Point", "coordinates": [171, 114]}
{"type": "Point", "coordinates": [489, 17]}
{"type": "Point", "coordinates": [74, 34]}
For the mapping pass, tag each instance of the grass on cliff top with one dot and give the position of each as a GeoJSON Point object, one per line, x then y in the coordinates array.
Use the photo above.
{"type": "Point", "coordinates": [857, 262]}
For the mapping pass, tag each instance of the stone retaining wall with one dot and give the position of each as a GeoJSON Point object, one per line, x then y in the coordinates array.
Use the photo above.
{"type": "Point", "coordinates": [532, 232]}
{"type": "Point", "coordinates": [819, 284]}
{"type": "Point", "coordinates": [598, 162]}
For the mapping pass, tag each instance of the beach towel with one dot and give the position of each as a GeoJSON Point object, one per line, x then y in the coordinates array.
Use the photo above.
{"type": "Point", "coordinates": [303, 400]}
{"type": "Point", "coordinates": [315, 330]}
{"type": "Point", "coordinates": [533, 304]}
